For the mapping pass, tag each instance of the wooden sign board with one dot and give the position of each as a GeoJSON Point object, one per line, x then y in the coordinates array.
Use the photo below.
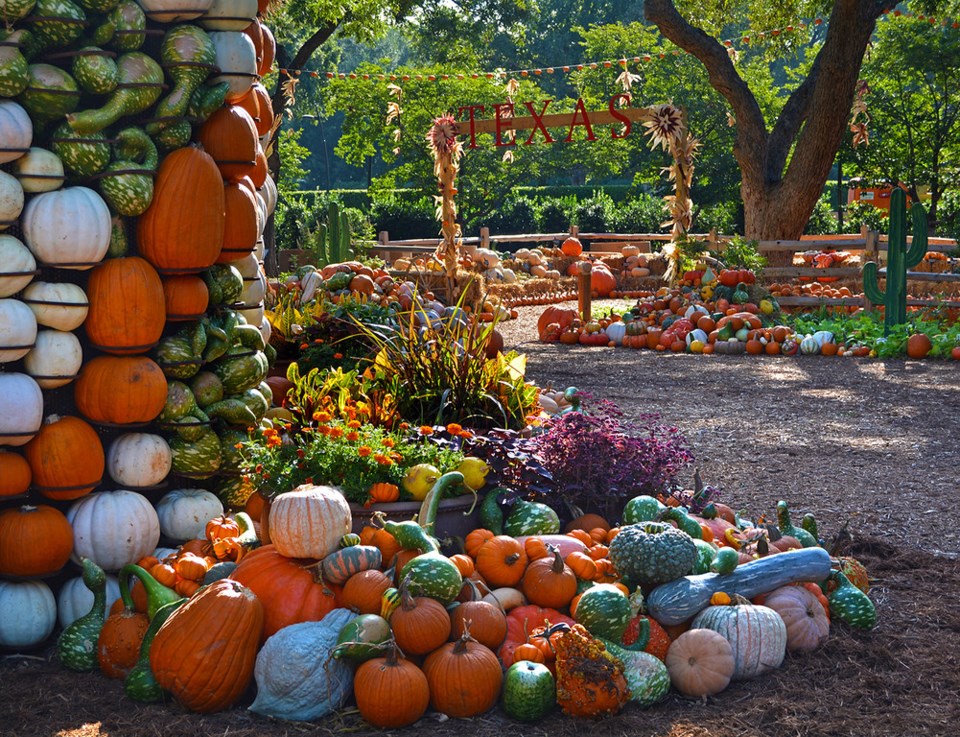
{"type": "Point", "coordinates": [538, 122]}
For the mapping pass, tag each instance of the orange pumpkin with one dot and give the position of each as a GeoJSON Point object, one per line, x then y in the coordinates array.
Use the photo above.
{"type": "Point", "coordinates": [186, 297]}
{"type": "Point", "coordinates": [464, 678]}
{"type": "Point", "coordinates": [420, 624]}
{"type": "Point", "coordinates": [563, 316]}
{"type": "Point", "coordinates": [363, 591]}
{"type": "Point", "coordinates": [549, 582]}
{"type": "Point", "coordinates": [34, 541]}
{"type": "Point", "coordinates": [269, 50]}
{"type": "Point", "coordinates": [182, 230]}
{"type": "Point", "coordinates": [205, 652]}
{"type": "Point", "coordinates": [120, 390]}
{"type": "Point", "coordinates": [602, 282]}
{"type": "Point", "coordinates": [265, 122]}
{"type": "Point", "coordinates": [289, 590]}
{"type": "Point", "coordinates": [502, 561]}
{"type": "Point", "coordinates": [15, 474]}
{"type": "Point", "coordinates": [487, 623]}
{"type": "Point", "coordinates": [475, 539]}
{"type": "Point", "coordinates": [572, 247]}
{"type": "Point", "coordinates": [230, 137]}
{"type": "Point", "coordinates": [66, 458]}
{"type": "Point", "coordinates": [126, 313]}
{"type": "Point", "coordinates": [241, 229]}
{"type": "Point", "coordinates": [587, 522]}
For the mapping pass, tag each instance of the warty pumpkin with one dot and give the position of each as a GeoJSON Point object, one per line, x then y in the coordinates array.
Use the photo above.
{"type": "Point", "coordinates": [120, 390]}
{"type": "Point", "coordinates": [127, 307]}
{"type": "Point", "coordinates": [66, 458]}
{"type": "Point", "coordinates": [182, 230]}
{"type": "Point", "coordinates": [204, 654]}
{"type": "Point", "coordinates": [34, 541]}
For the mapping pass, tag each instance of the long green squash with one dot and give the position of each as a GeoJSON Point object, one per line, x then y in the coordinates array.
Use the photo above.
{"type": "Point", "coordinates": [139, 86]}
{"type": "Point", "coordinates": [679, 600]}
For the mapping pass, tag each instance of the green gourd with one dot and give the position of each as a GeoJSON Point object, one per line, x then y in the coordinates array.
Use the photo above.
{"type": "Point", "coordinates": [684, 521]}
{"type": "Point", "coordinates": [98, 6]}
{"type": "Point", "coordinates": [705, 555]}
{"type": "Point", "coordinates": [786, 527]}
{"type": "Point", "coordinates": [157, 593]}
{"type": "Point", "coordinates": [184, 52]}
{"type": "Point", "coordinates": [206, 100]}
{"type": "Point", "coordinates": [529, 691]}
{"type": "Point", "coordinates": [850, 604]}
{"type": "Point", "coordinates": [130, 97]}
{"type": "Point", "coordinates": [95, 71]}
{"type": "Point", "coordinates": [725, 561]}
{"type": "Point", "coordinates": [83, 155]}
{"type": "Point", "coordinates": [642, 508]}
{"type": "Point", "coordinates": [809, 523]}
{"type": "Point", "coordinates": [491, 516]}
{"type": "Point", "coordinates": [127, 184]}
{"type": "Point", "coordinates": [62, 24]}
{"type": "Point", "coordinates": [14, 10]}
{"type": "Point", "coordinates": [14, 71]}
{"type": "Point", "coordinates": [646, 675]}
{"type": "Point", "coordinates": [174, 136]}
{"type": "Point", "coordinates": [531, 518]}
{"type": "Point", "coordinates": [77, 645]}
{"type": "Point", "coordinates": [119, 241]}
{"type": "Point", "coordinates": [129, 25]}
{"type": "Point", "coordinates": [140, 685]}
{"type": "Point", "coordinates": [51, 93]}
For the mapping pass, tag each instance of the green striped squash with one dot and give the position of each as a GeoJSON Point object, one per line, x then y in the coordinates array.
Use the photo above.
{"type": "Point", "coordinates": [433, 575]}
{"type": "Point", "coordinates": [604, 610]}
{"type": "Point", "coordinates": [531, 518]}
{"type": "Point", "coordinates": [339, 566]}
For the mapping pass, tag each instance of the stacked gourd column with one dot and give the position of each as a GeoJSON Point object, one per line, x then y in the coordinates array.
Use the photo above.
{"type": "Point", "coordinates": [133, 196]}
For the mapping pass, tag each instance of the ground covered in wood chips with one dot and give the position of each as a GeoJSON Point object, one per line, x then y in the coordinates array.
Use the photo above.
{"type": "Point", "coordinates": [869, 446]}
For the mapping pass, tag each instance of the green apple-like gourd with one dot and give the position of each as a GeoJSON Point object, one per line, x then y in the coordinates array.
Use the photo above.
{"type": "Point", "coordinates": [95, 70]}
{"type": "Point", "coordinates": [77, 646]}
{"type": "Point", "coordinates": [127, 184]}
{"type": "Point", "coordinates": [14, 73]}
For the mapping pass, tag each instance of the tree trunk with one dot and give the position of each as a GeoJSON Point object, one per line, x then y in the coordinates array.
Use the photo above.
{"type": "Point", "coordinates": [784, 168]}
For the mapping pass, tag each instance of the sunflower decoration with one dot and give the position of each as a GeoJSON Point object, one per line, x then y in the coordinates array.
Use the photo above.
{"type": "Point", "coordinates": [446, 150]}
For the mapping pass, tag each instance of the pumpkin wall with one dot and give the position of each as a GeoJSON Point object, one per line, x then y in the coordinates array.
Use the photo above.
{"type": "Point", "coordinates": [133, 197]}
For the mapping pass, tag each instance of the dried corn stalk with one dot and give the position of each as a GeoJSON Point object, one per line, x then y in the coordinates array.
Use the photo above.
{"type": "Point", "coordinates": [446, 150]}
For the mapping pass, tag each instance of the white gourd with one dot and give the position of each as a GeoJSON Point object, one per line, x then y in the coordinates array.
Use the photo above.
{"type": "Point", "coordinates": [229, 15]}
{"type": "Point", "coordinates": [184, 513]}
{"type": "Point", "coordinates": [113, 528]}
{"type": "Point", "coordinates": [11, 200]}
{"type": "Point", "coordinates": [18, 330]}
{"type": "Point", "coordinates": [55, 359]}
{"type": "Point", "coordinates": [69, 228]}
{"type": "Point", "coordinates": [21, 408]}
{"type": "Point", "coordinates": [60, 306]}
{"type": "Point", "coordinates": [174, 11]}
{"type": "Point", "coordinates": [74, 599]}
{"type": "Point", "coordinates": [237, 60]}
{"type": "Point", "coordinates": [16, 131]}
{"type": "Point", "coordinates": [139, 459]}
{"type": "Point", "coordinates": [39, 170]}
{"type": "Point", "coordinates": [29, 613]}
{"type": "Point", "coordinates": [16, 265]}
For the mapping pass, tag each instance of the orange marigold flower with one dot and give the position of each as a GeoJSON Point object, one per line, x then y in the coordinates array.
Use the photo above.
{"type": "Point", "coordinates": [466, 434]}
{"type": "Point", "coordinates": [383, 460]}
{"type": "Point", "coordinates": [388, 443]}
{"type": "Point", "coordinates": [304, 346]}
{"type": "Point", "coordinates": [337, 356]}
{"type": "Point", "coordinates": [318, 340]}
{"type": "Point", "coordinates": [353, 436]}
{"type": "Point", "coordinates": [454, 429]}
{"type": "Point", "coordinates": [354, 424]}
{"type": "Point", "coordinates": [274, 442]}
{"type": "Point", "coordinates": [404, 425]}
{"type": "Point", "coordinates": [336, 432]}
{"type": "Point", "coordinates": [426, 430]}
{"type": "Point", "coordinates": [322, 417]}
{"type": "Point", "coordinates": [324, 430]}
{"type": "Point", "coordinates": [364, 450]}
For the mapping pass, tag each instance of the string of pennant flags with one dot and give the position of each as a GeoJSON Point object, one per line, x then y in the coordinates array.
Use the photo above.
{"type": "Point", "coordinates": [744, 39]}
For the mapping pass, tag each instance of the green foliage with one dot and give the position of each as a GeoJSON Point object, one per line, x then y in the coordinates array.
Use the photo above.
{"type": "Point", "coordinates": [740, 253]}
{"type": "Point", "coordinates": [516, 215]}
{"type": "Point", "coordinates": [405, 217]}
{"type": "Point", "coordinates": [594, 215]}
{"type": "Point", "coordinates": [858, 214]}
{"type": "Point", "coordinates": [823, 219]}
{"type": "Point", "coordinates": [557, 213]}
{"type": "Point", "coordinates": [640, 214]}
{"type": "Point", "coordinates": [948, 215]}
{"type": "Point", "coordinates": [720, 216]}
{"type": "Point", "coordinates": [867, 328]}
{"type": "Point", "coordinates": [292, 156]}
{"type": "Point", "coordinates": [331, 241]}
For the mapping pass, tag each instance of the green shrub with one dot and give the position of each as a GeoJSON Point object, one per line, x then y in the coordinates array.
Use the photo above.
{"type": "Point", "coordinates": [516, 215]}
{"type": "Point", "coordinates": [720, 216]}
{"type": "Point", "coordinates": [640, 214]}
{"type": "Point", "coordinates": [823, 219]}
{"type": "Point", "coordinates": [858, 214]}
{"type": "Point", "coordinates": [594, 215]}
{"type": "Point", "coordinates": [948, 215]}
{"type": "Point", "coordinates": [556, 214]}
{"type": "Point", "coordinates": [405, 218]}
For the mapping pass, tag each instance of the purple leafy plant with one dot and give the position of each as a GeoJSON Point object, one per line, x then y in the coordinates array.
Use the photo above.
{"type": "Point", "coordinates": [599, 459]}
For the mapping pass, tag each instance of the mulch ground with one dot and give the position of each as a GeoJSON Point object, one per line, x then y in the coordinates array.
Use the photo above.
{"type": "Point", "coordinates": [868, 446]}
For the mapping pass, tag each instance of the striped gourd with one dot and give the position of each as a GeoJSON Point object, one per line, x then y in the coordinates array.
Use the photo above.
{"type": "Point", "coordinates": [757, 635]}
{"type": "Point", "coordinates": [339, 566]}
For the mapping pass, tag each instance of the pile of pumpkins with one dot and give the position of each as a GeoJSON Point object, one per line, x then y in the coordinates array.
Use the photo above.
{"type": "Point", "coordinates": [133, 198]}
{"type": "Point", "coordinates": [677, 320]}
{"type": "Point", "coordinates": [523, 616]}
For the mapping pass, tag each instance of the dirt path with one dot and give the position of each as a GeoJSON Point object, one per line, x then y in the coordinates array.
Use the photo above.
{"type": "Point", "coordinates": [858, 441]}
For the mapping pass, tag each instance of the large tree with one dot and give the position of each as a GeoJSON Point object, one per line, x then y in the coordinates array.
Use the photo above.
{"type": "Point", "coordinates": [783, 164]}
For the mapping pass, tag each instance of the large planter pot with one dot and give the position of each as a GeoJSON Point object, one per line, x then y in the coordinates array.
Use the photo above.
{"type": "Point", "coordinates": [452, 517]}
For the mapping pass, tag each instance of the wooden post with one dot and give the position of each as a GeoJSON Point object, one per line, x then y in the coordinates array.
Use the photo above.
{"type": "Point", "coordinates": [584, 291]}
{"type": "Point", "coordinates": [871, 252]}
{"type": "Point", "coordinates": [484, 237]}
{"type": "Point", "coordinates": [574, 231]}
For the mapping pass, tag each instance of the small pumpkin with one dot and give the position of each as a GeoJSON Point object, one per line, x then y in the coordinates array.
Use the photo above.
{"type": "Point", "coordinates": [501, 561]}
{"type": "Point", "coordinates": [549, 582]}
{"type": "Point", "coordinates": [464, 678]}
{"type": "Point", "coordinates": [806, 621]}
{"type": "Point", "coordinates": [363, 591]}
{"type": "Point", "coordinates": [420, 624]}
{"type": "Point", "coordinates": [487, 623]}
{"type": "Point", "coordinates": [391, 692]}
{"type": "Point", "coordinates": [700, 663]}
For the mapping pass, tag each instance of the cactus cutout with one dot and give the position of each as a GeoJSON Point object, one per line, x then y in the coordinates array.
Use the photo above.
{"type": "Point", "coordinates": [333, 237]}
{"type": "Point", "coordinates": [900, 259]}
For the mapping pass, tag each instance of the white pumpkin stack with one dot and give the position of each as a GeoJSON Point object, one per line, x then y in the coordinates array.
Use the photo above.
{"type": "Point", "coordinates": [51, 222]}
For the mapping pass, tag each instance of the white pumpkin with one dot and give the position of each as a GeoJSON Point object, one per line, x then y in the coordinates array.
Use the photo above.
{"type": "Point", "coordinates": [509, 276]}
{"type": "Point", "coordinates": [161, 553]}
{"type": "Point", "coordinates": [139, 459]}
{"type": "Point", "coordinates": [55, 359]}
{"type": "Point", "coordinates": [615, 331]}
{"type": "Point", "coordinates": [11, 200]}
{"type": "Point", "coordinates": [113, 528]}
{"type": "Point", "coordinates": [29, 613]}
{"type": "Point", "coordinates": [69, 228]}
{"type": "Point", "coordinates": [16, 265]}
{"type": "Point", "coordinates": [248, 266]}
{"type": "Point", "coordinates": [538, 270]}
{"type": "Point", "coordinates": [21, 409]}
{"type": "Point", "coordinates": [823, 336]}
{"type": "Point", "coordinates": [269, 192]}
{"type": "Point", "coordinates": [229, 15]}
{"type": "Point", "coordinates": [253, 291]}
{"type": "Point", "coordinates": [266, 329]}
{"type": "Point", "coordinates": [60, 306]}
{"type": "Point", "coordinates": [309, 521]}
{"type": "Point", "coordinates": [74, 599]}
{"type": "Point", "coordinates": [237, 60]}
{"type": "Point", "coordinates": [174, 11]}
{"type": "Point", "coordinates": [18, 330]}
{"type": "Point", "coordinates": [757, 635]}
{"type": "Point", "coordinates": [39, 170]}
{"type": "Point", "coordinates": [253, 315]}
{"type": "Point", "coordinates": [16, 131]}
{"type": "Point", "coordinates": [552, 274]}
{"type": "Point", "coordinates": [184, 513]}
{"type": "Point", "coordinates": [810, 346]}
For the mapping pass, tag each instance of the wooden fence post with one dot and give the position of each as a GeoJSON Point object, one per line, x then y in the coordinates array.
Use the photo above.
{"type": "Point", "coordinates": [584, 291]}
{"type": "Point", "coordinates": [484, 237]}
